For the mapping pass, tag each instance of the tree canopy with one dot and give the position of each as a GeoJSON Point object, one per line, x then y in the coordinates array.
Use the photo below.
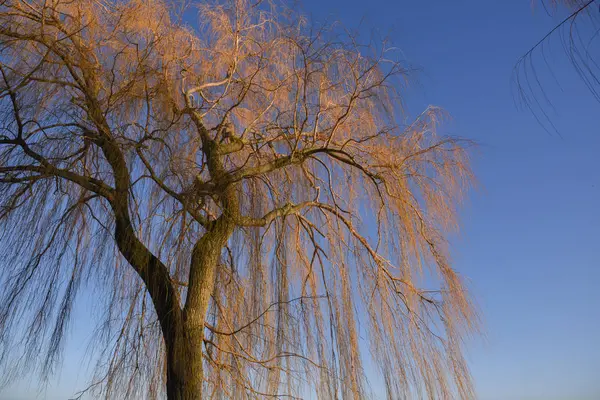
{"type": "Point", "coordinates": [243, 197]}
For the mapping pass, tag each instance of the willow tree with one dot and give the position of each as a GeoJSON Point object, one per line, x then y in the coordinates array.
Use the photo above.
{"type": "Point", "coordinates": [242, 198]}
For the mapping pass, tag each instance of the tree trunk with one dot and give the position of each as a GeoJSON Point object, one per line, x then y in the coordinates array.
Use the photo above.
{"type": "Point", "coordinates": [185, 375]}
{"type": "Point", "coordinates": [184, 370]}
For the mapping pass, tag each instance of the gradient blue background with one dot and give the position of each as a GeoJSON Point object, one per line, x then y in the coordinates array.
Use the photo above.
{"type": "Point", "coordinates": [529, 244]}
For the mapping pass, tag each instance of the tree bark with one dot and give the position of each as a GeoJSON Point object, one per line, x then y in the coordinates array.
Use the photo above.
{"type": "Point", "coordinates": [184, 380]}
{"type": "Point", "coordinates": [184, 343]}
{"type": "Point", "coordinates": [205, 259]}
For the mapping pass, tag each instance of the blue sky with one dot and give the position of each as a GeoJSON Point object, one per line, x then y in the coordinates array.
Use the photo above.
{"type": "Point", "coordinates": [529, 239]}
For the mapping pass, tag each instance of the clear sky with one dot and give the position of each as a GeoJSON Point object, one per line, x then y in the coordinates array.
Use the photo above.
{"type": "Point", "coordinates": [529, 243]}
